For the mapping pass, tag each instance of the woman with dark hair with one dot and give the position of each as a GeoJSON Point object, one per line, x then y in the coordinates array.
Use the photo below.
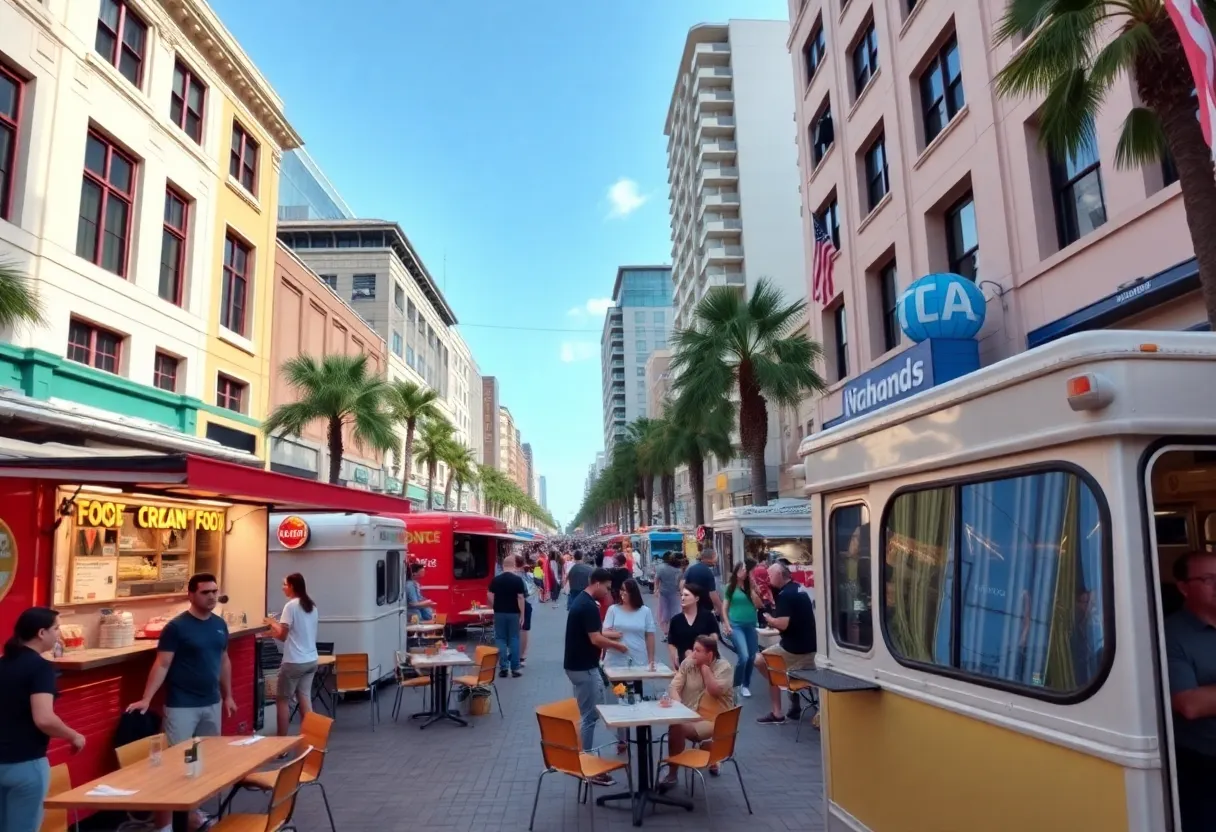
{"type": "Point", "coordinates": [297, 629]}
{"type": "Point", "coordinates": [691, 621]}
{"type": "Point", "coordinates": [28, 720]}
{"type": "Point", "coordinates": [632, 623]}
{"type": "Point", "coordinates": [742, 602]}
{"type": "Point", "coordinates": [415, 604]}
{"type": "Point", "coordinates": [703, 683]}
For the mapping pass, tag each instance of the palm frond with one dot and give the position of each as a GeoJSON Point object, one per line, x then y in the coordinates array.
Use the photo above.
{"type": "Point", "coordinates": [1066, 119]}
{"type": "Point", "coordinates": [19, 303]}
{"type": "Point", "coordinates": [1061, 45]}
{"type": "Point", "coordinates": [1021, 17]}
{"type": "Point", "coordinates": [1120, 53]}
{"type": "Point", "coordinates": [1141, 141]}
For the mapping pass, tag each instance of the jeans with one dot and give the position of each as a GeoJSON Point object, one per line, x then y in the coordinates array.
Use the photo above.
{"type": "Point", "coordinates": [506, 636]}
{"type": "Point", "coordinates": [23, 787]}
{"type": "Point", "coordinates": [589, 691]}
{"type": "Point", "coordinates": [747, 644]}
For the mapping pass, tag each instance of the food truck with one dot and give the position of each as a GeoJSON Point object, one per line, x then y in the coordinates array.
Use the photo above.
{"type": "Point", "coordinates": [353, 566]}
{"type": "Point", "coordinates": [782, 529]}
{"type": "Point", "coordinates": [92, 534]}
{"type": "Point", "coordinates": [461, 553]}
{"type": "Point", "coordinates": [996, 576]}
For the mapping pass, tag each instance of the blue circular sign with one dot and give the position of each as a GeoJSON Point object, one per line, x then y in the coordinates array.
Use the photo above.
{"type": "Point", "coordinates": [942, 306]}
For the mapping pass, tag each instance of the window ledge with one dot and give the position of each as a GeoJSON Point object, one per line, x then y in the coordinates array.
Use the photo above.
{"type": "Point", "coordinates": [38, 13]}
{"type": "Point", "coordinates": [822, 163]}
{"type": "Point", "coordinates": [234, 339]}
{"type": "Point", "coordinates": [907, 24]}
{"type": "Point", "coordinates": [941, 137]}
{"type": "Point", "coordinates": [810, 82]}
{"type": "Point", "coordinates": [873, 82]}
{"type": "Point", "coordinates": [882, 203]}
{"type": "Point", "coordinates": [120, 83]}
{"type": "Point", "coordinates": [241, 191]}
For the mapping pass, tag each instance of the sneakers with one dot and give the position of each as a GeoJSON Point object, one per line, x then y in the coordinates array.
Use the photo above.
{"type": "Point", "coordinates": [603, 780]}
{"type": "Point", "coordinates": [502, 673]}
{"type": "Point", "coordinates": [745, 693]}
{"type": "Point", "coordinates": [515, 674]}
{"type": "Point", "coordinates": [771, 719]}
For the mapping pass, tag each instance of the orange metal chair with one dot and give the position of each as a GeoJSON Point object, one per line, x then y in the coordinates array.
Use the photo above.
{"type": "Point", "coordinates": [437, 618]}
{"type": "Point", "coordinates": [487, 662]}
{"type": "Point", "coordinates": [56, 820]}
{"type": "Point", "coordinates": [315, 730]}
{"type": "Point", "coordinates": [721, 750]}
{"type": "Point", "coordinates": [282, 803]}
{"type": "Point", "coordinates": [422, 681]}
{"type": "Point", "coordinates": [352, 675]}
{"type": "Point", "coordinates": [562, 752]}
{"type": "Point", "coordinates": [134, 752]}
{"type": "Point", "coordinates": [778, 675]}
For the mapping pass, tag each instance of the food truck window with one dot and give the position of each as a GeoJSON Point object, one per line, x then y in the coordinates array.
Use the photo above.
{"type": "Point", "coordinates": [381, 583]}
{"type": "Point", "coordinates": [473, 556]}
{"type": "Point", "coordinates": [724, 544]}
{"type": "Point", "coordinates": [110, 547]}
{"type": "Point", "coordinates": [797, 550]}
{"type": "Point", "coordinates": [849, 538]}
{"type": "Point", "coordinates": [393, 576]}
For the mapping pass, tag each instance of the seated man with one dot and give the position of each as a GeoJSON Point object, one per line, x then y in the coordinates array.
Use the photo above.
{"type": "Point", "coordinates": [705, 683]}
{"type": "Point", "coordinates": [795, 619]}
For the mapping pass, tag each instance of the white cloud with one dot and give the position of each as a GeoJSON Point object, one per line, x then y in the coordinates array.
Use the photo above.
{"type": "Point", "coordinates": [625, 198]}
{"type": "Point", "coordinates": [579, 351]}
{"type": "Point", "coordinates": [595, 307]}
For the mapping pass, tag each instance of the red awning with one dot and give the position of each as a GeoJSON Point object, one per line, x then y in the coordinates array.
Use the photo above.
{"type": "Point", "coordinates": [186, 475]}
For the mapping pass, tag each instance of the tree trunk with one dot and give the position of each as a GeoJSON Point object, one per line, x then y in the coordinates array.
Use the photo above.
{"type": "Point", "coordinates": [668, 486]}
{"type": "Point", "coordinates": [648, 487]}
{"type": "Point", "coordinates": [409, 456]}
{"type": "Point", "coordinates": [430, 486]}
{"type": "Point", "coordinates": [335, 451]}
{"type": "Point", "coordinates": [447, 491]}
{"type": "Point", "coordinates": [753, 431]}
{"type": "Point", "coordinates": [696, 481]}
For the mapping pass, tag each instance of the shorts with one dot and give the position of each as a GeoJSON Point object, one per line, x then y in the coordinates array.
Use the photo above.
{"type": "Point", "coordinates": [793, 661]}
{"type": "Point", "coordinates": [294, 679]}
{"type": "Point", "coordinates": [527, 616]}
{"type": "Point", "coordinates": [181, 724]}
{"type": "Point", "coordinates": [699, 731]}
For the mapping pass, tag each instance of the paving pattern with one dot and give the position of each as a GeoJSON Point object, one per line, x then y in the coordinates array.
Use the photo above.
{"type": "Point", "coordinates": [483, 778]}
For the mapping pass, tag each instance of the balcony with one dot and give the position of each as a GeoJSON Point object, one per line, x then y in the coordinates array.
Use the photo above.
{"type": "Point", "coordinates": [711, 54]}
{"type": "Point", "coordinates": [715, 101]}
{"type": "Point", "coordinates": [721, 255]}
{"type": "Point", "coordinates": [714, 125]}
{"type": "Point", "coordinates": [724, 276]}
{"type": "Point", "coordinates": [718, 149]}
{"type": "Point", "coordinates": [716, 198]}
{"type": "Point", "coordinates": [721, 227]}
{"type": "Point", "coordinates": [713, 76]}
{"type": "Point", "coordinates": [717, 175]}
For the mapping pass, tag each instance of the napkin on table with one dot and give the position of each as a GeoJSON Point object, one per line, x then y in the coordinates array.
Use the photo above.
{"type": "Point", "coordinates": [248, 740]}
{"type": "Point", "coordinates": [110, 791]}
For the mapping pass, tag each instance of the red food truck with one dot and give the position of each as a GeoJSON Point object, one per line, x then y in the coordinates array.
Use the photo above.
{"type": "Point", "coordinates": [461, 553]}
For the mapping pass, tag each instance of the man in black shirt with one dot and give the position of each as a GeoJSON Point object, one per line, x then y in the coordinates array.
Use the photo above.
{"type": "Point", "coordinates": [584, 643]}
{"type": "Point", "coordinates": [620, 574]}
{"type": "Point", "coordinates": [795, 618]}
{"type": "Point", "coordinates": [508, 596]}
{"type": "Point", "coordinates": [576, 578]}
{"type": "Point", "coordinates": [702, 573]}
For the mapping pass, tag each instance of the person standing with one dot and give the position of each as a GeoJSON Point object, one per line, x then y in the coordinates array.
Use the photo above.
{"type": "Point", "coordinates": [28, 720]}
{"type": "Point", "coordinates": [577, 578]}
{"type": "Point", "coordinates": [508, 599]}
{"type": "Point", "coordinates": [584, 643]}
{"type": "Point", "coordinates": [742, 601]}
{"type": "Point", "coordinates": [297, 629]}
{"type": "Point", "coordinates": [534, 591]}
{"type": "Point", "coordinates": [193, 666]}
{"type": "Point", "coordinates": [701, 573]}
{"type": "Point", "coordinates": [794, 617]}
{"type": "Point", "coordinates": [632, 622]}
{"type": "Point", "coordinates": [667, 587]}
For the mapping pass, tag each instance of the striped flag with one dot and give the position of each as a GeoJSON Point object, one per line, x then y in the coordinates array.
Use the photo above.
{"type": "Point", "coordinates": [1200, 51]}
{"type": "Point", "coordinates": [823, 286]}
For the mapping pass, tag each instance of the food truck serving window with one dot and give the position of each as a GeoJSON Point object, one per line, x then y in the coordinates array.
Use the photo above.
{"type": "Point", "coordinates": [123, 546]}
{"type": "Point", "coordinates": [473, 556]}
{"type": "Point", "coordinates": [797, 550]}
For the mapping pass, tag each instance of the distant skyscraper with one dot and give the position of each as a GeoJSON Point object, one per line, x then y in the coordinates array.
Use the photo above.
{"type": "Point", "coordinates": [638, 323]}
{"type": "Point", "coordinates": [544, 493]}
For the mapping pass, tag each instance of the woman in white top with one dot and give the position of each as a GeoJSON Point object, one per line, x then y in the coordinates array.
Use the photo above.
{"type": "Point", "coordinates": [297, 629]}
{"type": "Point", "coordinates": [632, 622]}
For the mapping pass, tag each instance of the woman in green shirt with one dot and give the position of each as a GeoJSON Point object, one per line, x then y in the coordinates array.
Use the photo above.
{"type": "Point", "coordinates": [741, 604]}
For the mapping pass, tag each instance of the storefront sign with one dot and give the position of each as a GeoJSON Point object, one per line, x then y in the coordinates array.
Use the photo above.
{"type": "Point", "coordinates": [721, 482]}
{"type": "Point", "coordinates": [293, 532]}
{"type": "Point", "coordinates": [392, 535]}
{"type": "Point", "coordinates": [106, 514]}
{"type": "Point", "coordinates": [94, 579]}
{"type": "Point", "coordinates": [942, 306]}
{"type": "Point", "coordinates": [916, 369]}
{"type": "Point", "coordinates": [427, 537]}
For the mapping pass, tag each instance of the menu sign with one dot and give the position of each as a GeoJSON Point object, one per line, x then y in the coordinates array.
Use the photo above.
{"type": "Point", "coordinates": [107, 514]}
{"type": "Point", "coordinates": [94, 579]}
{"type": "Point", "coordinates": [293, 532]}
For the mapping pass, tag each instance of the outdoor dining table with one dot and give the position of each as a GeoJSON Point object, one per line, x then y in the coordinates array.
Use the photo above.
{"type": "Point", "coordinates": [441, 684]}
{"type": "Point", "coordinates": [485, 616]}
{"type": "Point", "coordinates": [325, 669]}
{"type": "Point", "coordinates": [643, 716]}
{"type": "Point", "coordinates": [421, 629]}
{"type": "Point", "coordinates": [166, 788]}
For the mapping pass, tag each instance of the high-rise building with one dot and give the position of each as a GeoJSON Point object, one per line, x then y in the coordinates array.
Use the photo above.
{"type": "Point", "coordinates": [638, 322]}
{"type": "Point", "coordinates": [921, 168]}
{"type": "Point", "coordinates": [305, 192]}
{"type": "Point", "coordinates": [658, 381]}
{"type": "Point", "coordinates": [544, 492]}
{"type": "Point", "coordinates": [507, 460]}
{"type": "Point", "coordinates": [529, 470]}
{"type": "Point", "coordinates": [491, 444]}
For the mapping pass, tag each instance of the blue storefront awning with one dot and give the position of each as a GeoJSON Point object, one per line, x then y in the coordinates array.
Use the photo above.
{"type": "Point", "coordinates": [1140, 296]}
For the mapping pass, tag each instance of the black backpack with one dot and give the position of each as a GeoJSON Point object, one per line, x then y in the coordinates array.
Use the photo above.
{"type": "Point", "coordinates": [134, 726]}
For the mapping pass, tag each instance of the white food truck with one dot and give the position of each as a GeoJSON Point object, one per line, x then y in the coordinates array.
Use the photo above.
{"type": "Point", "coordinates": [782, 529]}
{"type": "Point", "coordinates": [353, 566]}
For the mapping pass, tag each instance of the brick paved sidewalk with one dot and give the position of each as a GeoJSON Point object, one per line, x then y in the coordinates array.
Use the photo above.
{"type": "Point", "coordinates": [483, 778]}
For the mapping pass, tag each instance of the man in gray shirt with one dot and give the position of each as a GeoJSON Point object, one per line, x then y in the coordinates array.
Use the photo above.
{"type": "Point", "coordinates": [577, 577]}
{"type": "Point", "coordinates": [1190, 644]}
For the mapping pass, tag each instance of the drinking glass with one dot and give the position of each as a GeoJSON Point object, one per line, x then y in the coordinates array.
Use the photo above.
{"type": "Point", "coordinates": [156, 748]}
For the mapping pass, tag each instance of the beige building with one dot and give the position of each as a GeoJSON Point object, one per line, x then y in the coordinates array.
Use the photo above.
{"type": "Point", "coordinates": [658, 383]}
{"type": "Point", "coordinates": [915, 165]}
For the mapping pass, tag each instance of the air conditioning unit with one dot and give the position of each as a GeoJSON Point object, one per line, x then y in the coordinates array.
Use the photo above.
{"type": "Point", "coordinates": [363, 293]}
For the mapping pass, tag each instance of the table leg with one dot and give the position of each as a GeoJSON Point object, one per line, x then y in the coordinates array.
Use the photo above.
{"type": "Point", "coordinates": [646, 791]}
{"type": "Point", "coordinates": [440, 686]}
{"type": "Point", "coordinates": [318, 689]}
{"type": "Point", "coordinates": [181, 821]}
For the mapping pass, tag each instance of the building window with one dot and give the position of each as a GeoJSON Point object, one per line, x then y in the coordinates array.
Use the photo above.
{"type": "Point", "coordinates": [1076, 184]}
{"type": "Point", "coordinates": [230, 393]}
{"type": "Point", "coordinates": [164, 371]}
{"type": "Point", "coordinates": [640, 346]}
{"type": "Point", "coordinates": [94, 346]}
{"type": "Point", "coordinates": [104, 229]}
{"type": "Point", "coordinates": [840, 334]}
{"type": "Point", "coordinates": [814, 50]}
{"type": "Point", "coordinates": [941, 89]}
{"type": "Point", "coordinates": [829, 218]}
{"type": "Point", "coordinates": [11, 88]}
{"type": "Point", "coordinates": [877, 180]}
{"type": "Point", "coordinates": [243, 161]}
{"type": "Point", "coordinates": [888, 294]}
{"type": "Point", "coordinates": [823, 133]}
{"type": "Point", "coordinates": [122, 39]}
{"type": "Point", "coordinates": [363, 287]}
{"type": "Point", "coordinates": [173, 247]}
{"type": "Point", "coordinates": [660, 318]}
{"type": "Point", "coordinates": [238, 262]}
{"type": "Point", "coordinates": [639, 317]}
{"type": "Point", "coordinates": [186, 102]}
{"type": "Point", "coordinates": [852, 621]}
{"type": "Point", "coordinates": [398, 343]}
{"type": "Point", "coordinates": [962, 241]}
{"type": "Point", "coordinates": [330, 280]}
{"type": "Point", "coordinates": [865, 59]}
{"type": "Point", "coordinates": [1000, 581]}
{"type": "Point", "coordinates": [399, 297]}
{"type": "Point", "coordinates": [660, 344]}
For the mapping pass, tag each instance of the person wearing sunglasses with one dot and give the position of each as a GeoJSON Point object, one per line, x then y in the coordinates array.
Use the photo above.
{"type": "Point", "coordinates": [193, 666]}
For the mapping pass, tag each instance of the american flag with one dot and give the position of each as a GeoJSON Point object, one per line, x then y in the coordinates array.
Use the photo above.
{"type": "Point", "coordinates": [1201, 55]}
{"type": "Point", "coordinates": [823, 286]}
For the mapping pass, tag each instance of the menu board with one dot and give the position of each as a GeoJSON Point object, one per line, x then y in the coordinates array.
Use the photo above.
{"type": "Point", "coordinates": [94, 579]}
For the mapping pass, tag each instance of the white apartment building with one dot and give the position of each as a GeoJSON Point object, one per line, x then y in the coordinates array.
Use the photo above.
{"type": "Point", "coordinates": [732, 160]}
{"type": "Point", "coordinates": [638, 323]}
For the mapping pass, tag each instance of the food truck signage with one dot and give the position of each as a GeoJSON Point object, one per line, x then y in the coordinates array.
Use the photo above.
{"type": "Point", "coordinates": [293, 532]}
{"type": "Point", "coordinates": [422, 536]}
{"type": "Point", "coordinates": [107, 514]}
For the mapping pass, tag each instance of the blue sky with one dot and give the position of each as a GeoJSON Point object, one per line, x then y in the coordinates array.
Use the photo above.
{"type": "Point", "coordinates": [520, 145]}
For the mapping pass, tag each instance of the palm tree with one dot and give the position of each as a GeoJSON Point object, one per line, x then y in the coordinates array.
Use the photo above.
{"type": "Point", "coordinates": [457, 455]}
{"type": "Point", "coordinates": [753, 346]}
{"type": "Point", "coordinates": [648, 438]}
{"type": "Point", "coordinates": [1075, 52]}
{"type": "Point", "coordinates": [410, 403]}
{"type": "Point", "coordinates": [339, 391]}
{"type": "Point", "coordinates": [463, 467]}
{"type": "Point", "coordinates": [430, 448]}
{"type": "Point", "coordinates": [18, 301]}
{"type": "Point", "coordinates": [699, 433]}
